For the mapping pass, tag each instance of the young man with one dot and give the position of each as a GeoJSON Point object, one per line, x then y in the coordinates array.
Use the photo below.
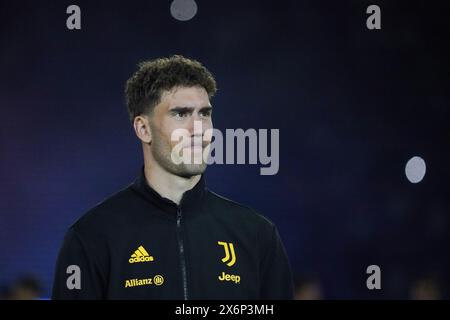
{"type": "Point", "coordinates": [166, 236]}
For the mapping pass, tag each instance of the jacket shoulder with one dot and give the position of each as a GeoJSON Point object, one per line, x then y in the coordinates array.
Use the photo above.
{"type": "Point", "coordinates": [105, 213]}
{"type": "Point", "coordinates": [240, 211]}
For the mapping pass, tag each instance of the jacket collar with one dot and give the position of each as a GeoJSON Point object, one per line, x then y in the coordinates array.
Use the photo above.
{"type": "Point", "coordinates": [191, 201]}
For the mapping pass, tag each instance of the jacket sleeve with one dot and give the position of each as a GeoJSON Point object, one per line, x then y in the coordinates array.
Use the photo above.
{"type": "Point", "coordinates": [77, 276]}
{"type": "Point", "coordinates": [276, 281]}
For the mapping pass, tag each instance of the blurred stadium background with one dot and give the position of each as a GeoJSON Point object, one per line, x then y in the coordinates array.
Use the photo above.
{"type": "Point", "coordinates": [353, 107]}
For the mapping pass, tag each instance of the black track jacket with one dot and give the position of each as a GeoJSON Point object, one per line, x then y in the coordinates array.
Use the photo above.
{"type": "Point", "coordinates": [139, 245]}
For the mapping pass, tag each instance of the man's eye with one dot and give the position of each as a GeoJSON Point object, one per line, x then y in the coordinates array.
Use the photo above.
{"type": "Point", "coordinates": [205, 114]}
{"type": "Point", "coordinates": [180, 114]}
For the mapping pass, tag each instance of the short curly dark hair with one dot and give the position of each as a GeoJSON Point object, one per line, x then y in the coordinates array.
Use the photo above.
{"type": "Point", "coordinates": [144, 88]}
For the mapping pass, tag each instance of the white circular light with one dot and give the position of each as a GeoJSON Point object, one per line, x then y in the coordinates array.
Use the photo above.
{"type": "Point", "coordinates": [183, 10]}
{"type": "Point", "coordinates": [415, 169]}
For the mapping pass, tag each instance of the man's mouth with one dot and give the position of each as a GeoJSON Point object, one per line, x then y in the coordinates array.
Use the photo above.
{"type": "Point", "coordinates": [196, 145]}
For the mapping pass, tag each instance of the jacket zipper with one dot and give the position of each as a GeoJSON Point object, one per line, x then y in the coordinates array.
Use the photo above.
{"type": "Point", "coordinates": [182, 257]}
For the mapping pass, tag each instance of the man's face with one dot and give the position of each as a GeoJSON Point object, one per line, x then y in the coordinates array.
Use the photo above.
{"type": "Point", "coordinates": [179, 109]}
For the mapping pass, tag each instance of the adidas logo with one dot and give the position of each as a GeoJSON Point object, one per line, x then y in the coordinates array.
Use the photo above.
{"type": "Point", "coordinates": [140, 255]}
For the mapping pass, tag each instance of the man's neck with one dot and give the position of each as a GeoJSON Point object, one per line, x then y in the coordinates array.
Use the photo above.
{"type": "Point", "coordinates": [168, 185]}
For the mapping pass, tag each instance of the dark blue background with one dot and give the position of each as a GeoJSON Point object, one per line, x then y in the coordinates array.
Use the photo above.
{"type": "Point", "coordinates": [352, 106]}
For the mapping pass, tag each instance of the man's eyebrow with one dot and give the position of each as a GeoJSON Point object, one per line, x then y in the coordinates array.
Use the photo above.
{"type": "Point", "coordinates": [206, 108]}
{"type": "Point", "coordinates": [181, 109]}
{"type": "Point", "coordinates": [189, 109]}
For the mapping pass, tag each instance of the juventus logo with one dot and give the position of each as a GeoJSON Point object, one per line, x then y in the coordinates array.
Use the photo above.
{"type": "Point", "coordinates": [230, 255]}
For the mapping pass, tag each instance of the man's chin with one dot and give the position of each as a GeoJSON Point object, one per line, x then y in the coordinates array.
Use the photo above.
{"type": "Point", "coordinates": [190, 170]}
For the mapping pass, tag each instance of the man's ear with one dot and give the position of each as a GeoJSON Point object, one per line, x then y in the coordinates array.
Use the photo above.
{"type": "Point", "coordinates": [142, 128]}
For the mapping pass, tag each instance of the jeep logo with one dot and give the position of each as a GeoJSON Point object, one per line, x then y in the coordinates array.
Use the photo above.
{"type": "Point", "coordinates": [230, 277]}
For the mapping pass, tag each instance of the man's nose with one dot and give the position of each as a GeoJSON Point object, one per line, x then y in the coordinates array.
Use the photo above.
{"type": "Point", "coordinates": [195, 125]}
